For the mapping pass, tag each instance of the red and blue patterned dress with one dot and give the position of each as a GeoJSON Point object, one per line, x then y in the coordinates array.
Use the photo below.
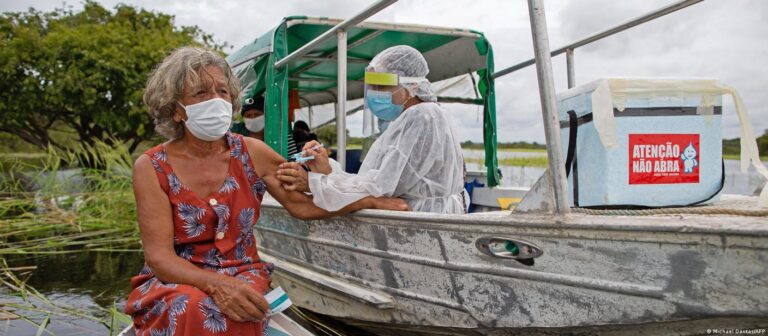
{"type": "Point", "coordinates": [213, 233]}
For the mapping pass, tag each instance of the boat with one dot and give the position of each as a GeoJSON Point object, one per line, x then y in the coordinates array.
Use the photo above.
{"type": "Point", "coordinates": [544, 268]}
{"type": "Point", "coordinates": [414, 273]}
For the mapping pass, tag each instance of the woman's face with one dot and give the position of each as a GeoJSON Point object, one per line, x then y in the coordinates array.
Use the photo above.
{"type": "Point", "coordinates": [213, 85]}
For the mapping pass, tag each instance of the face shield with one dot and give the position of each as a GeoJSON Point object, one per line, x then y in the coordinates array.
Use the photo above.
{"type": "Point", "coordinates": [379, 89]}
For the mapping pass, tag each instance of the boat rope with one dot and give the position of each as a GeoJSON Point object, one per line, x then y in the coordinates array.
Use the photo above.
{"type": "Point", "coordinates": [672, 211]}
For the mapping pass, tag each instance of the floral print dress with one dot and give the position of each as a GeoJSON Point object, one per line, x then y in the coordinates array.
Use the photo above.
{"type": "Point", "coordinates": [214, 233]}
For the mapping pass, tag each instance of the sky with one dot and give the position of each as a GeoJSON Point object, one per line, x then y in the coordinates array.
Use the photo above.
{"type": "Point", "coordinates": [714, 39]}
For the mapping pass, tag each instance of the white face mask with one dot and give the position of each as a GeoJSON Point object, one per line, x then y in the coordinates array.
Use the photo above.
{"type": "Point", "coordinates": [254, 125]}
{"type": "Point", "coordinates": [209, 120]}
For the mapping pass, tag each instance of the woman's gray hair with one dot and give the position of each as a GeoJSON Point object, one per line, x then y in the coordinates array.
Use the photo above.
{"type": "Point", "coordinates": [181, 69]}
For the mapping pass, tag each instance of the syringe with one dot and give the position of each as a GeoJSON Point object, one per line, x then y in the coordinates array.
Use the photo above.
{"type": "Point", "coordinates": [300, 158]}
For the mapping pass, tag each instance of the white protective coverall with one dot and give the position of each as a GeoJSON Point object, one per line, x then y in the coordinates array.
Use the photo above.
{"type": "Point", "coordinates": [417, 158]}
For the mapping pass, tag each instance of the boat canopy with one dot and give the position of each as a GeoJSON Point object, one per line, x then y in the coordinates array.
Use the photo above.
{"type": "Point", "coordinates": [312, 79]}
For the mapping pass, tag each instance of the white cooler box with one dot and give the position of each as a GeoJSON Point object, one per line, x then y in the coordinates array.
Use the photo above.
{"type": "Point", "coordinates": [642, 142]}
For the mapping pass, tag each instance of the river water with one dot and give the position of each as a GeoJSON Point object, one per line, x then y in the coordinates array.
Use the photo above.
{"type": "Point", "coordinates": [89, 282]}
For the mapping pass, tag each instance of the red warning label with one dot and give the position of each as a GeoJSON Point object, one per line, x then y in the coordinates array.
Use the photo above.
{"type": "Point", "coordinates": [663, 158]}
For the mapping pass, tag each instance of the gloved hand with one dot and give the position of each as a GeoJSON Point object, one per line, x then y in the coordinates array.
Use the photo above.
{"type": "Point", "coordinates": [320, 163]}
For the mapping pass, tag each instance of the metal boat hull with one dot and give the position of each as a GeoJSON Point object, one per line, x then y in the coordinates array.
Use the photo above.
{"type": "Point", "coordinates": [392, 272]}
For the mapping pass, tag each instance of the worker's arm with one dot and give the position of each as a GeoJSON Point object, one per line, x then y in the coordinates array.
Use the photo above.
{"type": "Point", "coordinates": [266, 162]}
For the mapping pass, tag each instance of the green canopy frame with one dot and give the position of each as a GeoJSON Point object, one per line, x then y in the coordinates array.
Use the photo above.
{"type": "Point", "coordinates": [450, 52]}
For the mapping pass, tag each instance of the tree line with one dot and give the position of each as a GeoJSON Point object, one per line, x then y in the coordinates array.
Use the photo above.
{"type": "Point", "coordinates": [78, 76]}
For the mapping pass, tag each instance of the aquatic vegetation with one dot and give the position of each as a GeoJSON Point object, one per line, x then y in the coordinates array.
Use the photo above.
{"type": "Point", "coordinates": [75, 200]}
{"type": "Point", "coordinates": [59, 203]}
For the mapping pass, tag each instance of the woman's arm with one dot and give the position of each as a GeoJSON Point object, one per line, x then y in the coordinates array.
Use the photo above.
{"type": "Point", "coordinates": [237, 300]}
{"type": "Point", "coordinates": [298, 204]}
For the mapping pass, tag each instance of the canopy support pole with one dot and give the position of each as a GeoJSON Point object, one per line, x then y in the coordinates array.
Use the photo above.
{"type": "Point", "coordinates": [309, 113]}
{"type": "Point", "coordinates": [341, 99]}
{"type": "Point", "coordinates": [549, 105]}
{"type": "Point", "coordinates": [570, 68]}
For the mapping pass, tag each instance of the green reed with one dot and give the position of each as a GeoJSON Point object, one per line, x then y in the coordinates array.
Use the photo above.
{"type": "Point", "coordinates": [68, 201]}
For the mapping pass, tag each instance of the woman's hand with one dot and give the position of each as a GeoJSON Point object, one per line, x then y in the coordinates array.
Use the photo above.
{"type": "Point", "coordinates": [320, 163]}
{"type": "Point", "coordinates": [237, 299]}
{"type": "Point", "coordinates": [293, 176]}
{"type": "Point", "coordinates": [390, 203]}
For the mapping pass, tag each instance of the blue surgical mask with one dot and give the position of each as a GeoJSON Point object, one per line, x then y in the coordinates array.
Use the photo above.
{"type": "Point", "coordinates": [380, 103]}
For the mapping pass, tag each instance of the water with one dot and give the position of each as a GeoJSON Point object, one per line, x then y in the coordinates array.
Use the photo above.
{"type": "Point", "coordinates": [90, 282]}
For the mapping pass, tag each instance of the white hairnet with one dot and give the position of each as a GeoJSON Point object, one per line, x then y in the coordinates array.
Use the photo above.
{"type": "Point", "coordinates": [418, 158]}
{"type": "Point", "coordinates": [405, 61]}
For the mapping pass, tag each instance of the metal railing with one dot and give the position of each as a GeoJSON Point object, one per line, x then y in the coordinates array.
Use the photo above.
{"type": "Point", "coordinates": [360, 17]}
{"type": "Point", "coordinates": [557, 178]}
{"type": "Point", "coordinates": [543, 61]}
{"type": "Point", "coordinates": [340, 31]}
{"type": "Point", "coordinates": [568, 49]}
{"type": "Point", "coordinates": [341, 100]}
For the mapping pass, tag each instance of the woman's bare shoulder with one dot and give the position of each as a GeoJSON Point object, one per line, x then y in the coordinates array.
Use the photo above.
{"type": "Point", "coordinates": [144, 174]}
{"type": "Point", "coordinates": [263, 158]}
{"type": "Point", "coordinates": [259, 149]}
{"type": "Point", "coordinates": [142, 163]}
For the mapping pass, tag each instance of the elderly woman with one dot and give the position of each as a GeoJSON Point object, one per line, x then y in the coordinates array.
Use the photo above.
{"type": "Point", "coordinates": [416, 157]}
{"type": "Point", "coordinates": [198, 198]}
